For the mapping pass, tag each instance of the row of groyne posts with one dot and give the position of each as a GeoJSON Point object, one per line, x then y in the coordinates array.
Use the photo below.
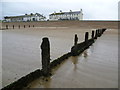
{"type": "Point", "coordinates": [47, 66]}
{"type": "Point", "coordinates": [19, 26]}
{"type": "Point", "coordinates": [77, 49]}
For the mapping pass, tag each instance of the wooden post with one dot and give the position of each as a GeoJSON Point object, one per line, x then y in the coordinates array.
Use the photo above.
{"type": "Point", "coordinates": [86, 37]}
{"type": "Point", "coordinates": [33, 25]}
{"type": "Point", "coordinates": [75, 40]}
{"type": "Point", "coordinates": [100, 32]}
{"type": "Point", "coordinates": [24, 26]}
{"type": "Point", "coordinates": [19, 26]}
{"type": "Point", "coordinates": [93, 34]}
{"type": "Point", "coordinates": [13, 26]}
{"type": "Point", "coordinates": [96, 34]}
{"type": "Point", "coordinates": [45, 47]}
{"type": "Point", "coordinates": [29, 26]}
{"type": "Point", "coordinates": [6, 26]}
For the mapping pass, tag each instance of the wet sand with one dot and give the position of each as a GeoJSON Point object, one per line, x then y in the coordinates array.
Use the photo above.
{"type": "Point", "coordinates": [96, 67]}
{"type": "Point", "coordinates": [0, 59]}
{"type": "Point", "coordinates": [21, 52]}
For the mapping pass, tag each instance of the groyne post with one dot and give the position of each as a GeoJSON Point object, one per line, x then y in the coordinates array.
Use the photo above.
{"type": "Point", "coordinates": [100, 32]}
{"type": "Point", "coordinates": [6, 26]}
{"type": "Point", "coordinates": [75, 40]}
{"type": "Point", "coordinates": [24, 26]}
{"type": "Point", "coordinates": [19, 26]}
{"type": "Point", "coordinates": [96, 34]}
{"type": "Point", "coordinates": [13, 26]}
{"type": "Point", "coordinates": [86, 37]}
{"type": "Point", "coordinates": [33, 26]}
{"type": "Point", "coordinates": [29, 26]}
{"type": "Point", "coordinates": [93, 34]}
{"type": "Point", "coordinates": [45, 47]}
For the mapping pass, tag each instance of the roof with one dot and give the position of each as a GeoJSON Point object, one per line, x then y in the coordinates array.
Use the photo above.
{"type": "Point", "coordinates": [26, 15]}
{"type": "Point", "coordinates": [60, 13]}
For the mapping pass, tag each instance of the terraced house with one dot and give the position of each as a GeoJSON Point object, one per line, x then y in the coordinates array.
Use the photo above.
{"type": "Point", "coordinates": [24, 18]}
{"type": "Point", "coordinates": [71, 15]}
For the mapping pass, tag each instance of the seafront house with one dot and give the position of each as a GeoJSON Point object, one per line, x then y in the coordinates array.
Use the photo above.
{"type": "Point", "coordinates": [71, 15]}
{"type": "Point", "coordinates": [24, 18]}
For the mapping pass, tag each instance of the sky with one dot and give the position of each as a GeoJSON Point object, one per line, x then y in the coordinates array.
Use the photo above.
{"type": "Point", "coordinates": [92, 9]}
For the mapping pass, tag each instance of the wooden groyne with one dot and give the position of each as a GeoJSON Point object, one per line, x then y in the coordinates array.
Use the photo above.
{"type": "Point", "coordinates": [47, 66]}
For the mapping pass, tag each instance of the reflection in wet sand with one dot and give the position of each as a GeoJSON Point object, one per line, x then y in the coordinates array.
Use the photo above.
{"type": "Point", "coordinates": [74, 61]}
{"type": "Point", "coordinates": [85, 53]}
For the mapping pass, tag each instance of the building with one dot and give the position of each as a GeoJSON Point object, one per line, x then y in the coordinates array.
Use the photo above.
{"type": "Point", "coordinates": [72, 15]}
{"type": "Point", "coordinates": [26, 17]}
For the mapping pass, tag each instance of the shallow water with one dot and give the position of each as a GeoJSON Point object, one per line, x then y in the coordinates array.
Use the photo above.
{"type": "Point", "coordinates": [96, 67]}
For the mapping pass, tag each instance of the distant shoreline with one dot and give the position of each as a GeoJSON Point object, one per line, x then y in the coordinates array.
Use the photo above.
{"type": "Point", "coordinates": [79, 24]}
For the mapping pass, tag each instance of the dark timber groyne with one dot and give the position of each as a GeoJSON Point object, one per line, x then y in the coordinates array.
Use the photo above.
{"type": "Point", "coordinates": [47, 66]}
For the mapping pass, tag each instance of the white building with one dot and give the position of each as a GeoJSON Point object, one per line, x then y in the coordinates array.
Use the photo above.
{"type": "Point", "coordinates": [72, 15]}
{"type": "Point", "coordinates": [26, 17]}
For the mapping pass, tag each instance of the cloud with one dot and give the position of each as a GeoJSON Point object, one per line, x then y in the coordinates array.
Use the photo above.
{"type": "Point", "coordinates": [92, 9]}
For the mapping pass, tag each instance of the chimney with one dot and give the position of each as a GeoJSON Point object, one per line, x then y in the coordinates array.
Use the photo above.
{"type": "Point", "coordinates": [31, 14]}
{"type": "Point", "coordinates": [61, 11]}
{"type": "Point", "coordinates": [81, 10]}
{"type": "Point", "coordinates": [54, 12]}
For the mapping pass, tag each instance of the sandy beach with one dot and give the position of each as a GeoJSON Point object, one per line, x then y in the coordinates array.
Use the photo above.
{"type": "Point", "coordinates": [97, 67]}
{"type": "Point", "coordinates": [0, 59]}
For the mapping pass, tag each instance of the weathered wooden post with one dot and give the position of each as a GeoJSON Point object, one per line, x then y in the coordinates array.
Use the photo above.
{"type": "Point", "coordinates": [13, 26]}
{"type": "Point", "coordinates": [45, 47]}
{"type": "Point", "coordinates": [29, 26]}
{"type": "Point", "coordinates": [33, 25]}
{"type": "Point", "coordinates": [100, 32]}
{"type": "Point", "coordinates": [93, 34]}
{"type": "Point", "coordinates": [96, 34]}
{"type": "Point", "coordinates": [86, 37]}
{"type": "Point", "coordinates": [6, 26]}
{"type": "Point", "coordinates": [75, 40]}
{"type": "Point", "coordinates": [24, 26]}
{"type": "Point", "coordinates": [19, 26]}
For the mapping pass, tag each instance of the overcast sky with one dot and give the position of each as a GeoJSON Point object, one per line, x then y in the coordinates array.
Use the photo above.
{"type": "Point", "coordinates": [92, 9]}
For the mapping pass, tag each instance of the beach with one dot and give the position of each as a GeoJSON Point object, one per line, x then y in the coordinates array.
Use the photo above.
{"type": "Point", "coordinates": [97, 67]}
{"type": "Point", "coordinates": [0, 59]}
